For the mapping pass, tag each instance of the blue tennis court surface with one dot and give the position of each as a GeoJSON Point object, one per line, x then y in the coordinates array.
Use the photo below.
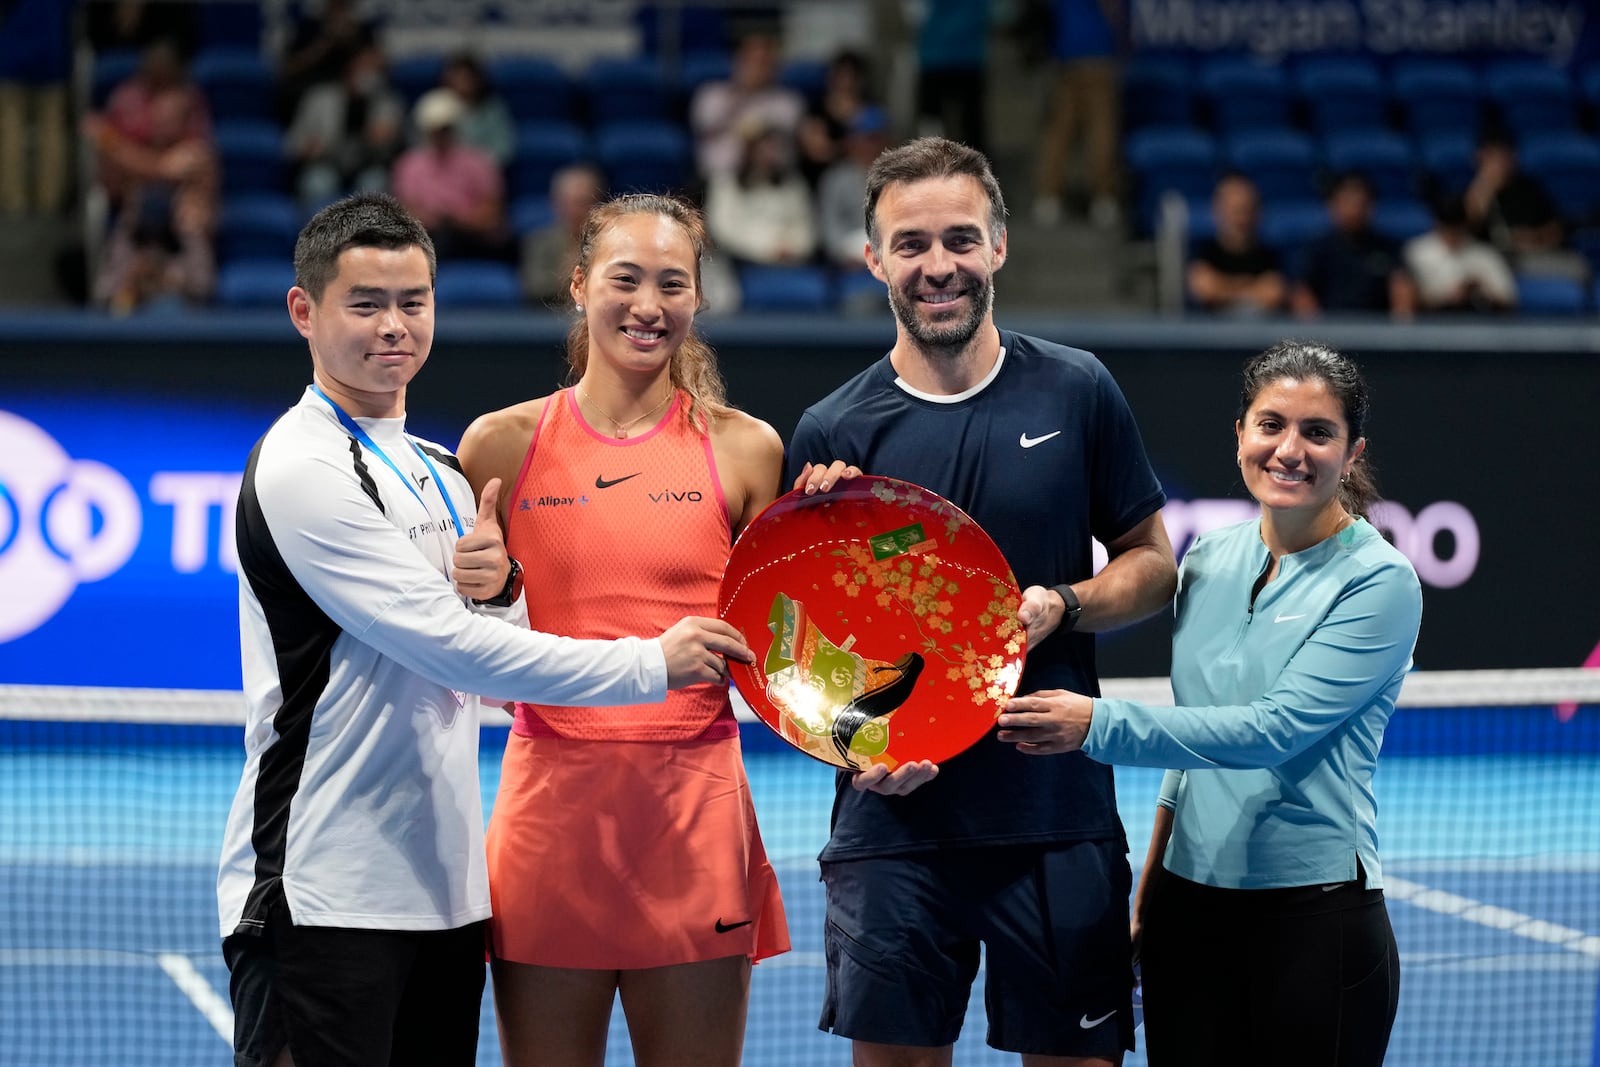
{"type": "Point", "coordinates": [109, 950]}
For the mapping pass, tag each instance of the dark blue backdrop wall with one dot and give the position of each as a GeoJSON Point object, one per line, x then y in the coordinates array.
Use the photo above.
{"type": "Point", "coordinates": [121, 446]}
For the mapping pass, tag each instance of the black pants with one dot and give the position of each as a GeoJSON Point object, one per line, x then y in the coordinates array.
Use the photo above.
{"type": "Point", "coordinates": [356, 998]}
{"type": "Point", "coordinates": [1308, 976]}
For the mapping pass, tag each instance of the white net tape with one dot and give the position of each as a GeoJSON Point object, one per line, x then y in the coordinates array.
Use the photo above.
{"type": "Point", "coordinates": [207, 707]}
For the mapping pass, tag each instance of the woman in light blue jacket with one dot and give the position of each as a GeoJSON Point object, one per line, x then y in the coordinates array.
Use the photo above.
{"type": "Point", "coordinates": [1260, 912]}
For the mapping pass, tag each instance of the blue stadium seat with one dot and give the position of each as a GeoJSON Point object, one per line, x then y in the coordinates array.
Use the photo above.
{"type": "Point", "coordinates": [697, 68]}
{"type": "Point", "coordinates": [644, 156]}
{"type": "Point", "coordinates": [797, 288]}
{"type": "Point", "coordinates": [252, 155]}
{"type": "Point", "coordinates": [1157, 91]}
{"type": "Point", "coordinates": [1181, 159]}
{"type": "Point", "coordinates": [1282, 162]}
{"type": "Point", "coordinates": [1448, 159]}
{"type": "Point", "coordinates": [1383, 156]}
{"type": "Point", "coordinates": [529, 213]}
{"type": "Point", "coordinates": [255, 283]}
{"type": "Point", "coordinates": [1199, 222]}
{"type": "Point", "coordinates": [690, 27]}
{"type": "Point", "coordinates": [414, 75]}
{"type": "Point", "coordinates": [534, 88]}
{"type": "Point", "coordinates": [1342, 92]}
{"type": "Point", "coordinates": [472, 283]}
{"type": "Point", "coordinates": [860, 293]}
{"type": "Point", "coordinates": [1243, 94]}
{"type": "Point", "coordinates": [237, 82]}
{"type": "Point", "coordinates": [1401, 219]}
{"type": "Point", "coordinates": [1589, 85]}
{"type": "Point", "coordinates": [1288, 225]}
{"type": "Point", "coordinates": [258, 226]}
{"type": "Point", "coordinates": [1543, 294]}
{"type": "Point", "coordinates": [542, 149]}
{"type": "Point", "coordinates": [1437, 94]}
{"type": "Point", "coordinates": [1567, 164]}
{"type": "Point", "coordinates": [618, 90]}
{"type": "Point", "coordinates": [1532, 97]}
{"type": "Point", "coordinates": [808, 77]}
{"type": "Point", "coordinates": [1585, 240]}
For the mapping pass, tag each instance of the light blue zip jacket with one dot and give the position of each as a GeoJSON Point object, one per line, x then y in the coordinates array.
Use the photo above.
{"type": "Point", "coordinates": [1281, 708]}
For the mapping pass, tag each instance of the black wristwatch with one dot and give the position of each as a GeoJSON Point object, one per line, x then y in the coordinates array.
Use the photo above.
{"type": "Point", "coordinates": [508, 595]}
{"type": "Point", "coordinates": [1069, 619]}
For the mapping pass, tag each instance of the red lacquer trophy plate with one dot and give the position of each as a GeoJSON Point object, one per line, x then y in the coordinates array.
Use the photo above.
{"type": "Point", "coordinates": [884, 622]}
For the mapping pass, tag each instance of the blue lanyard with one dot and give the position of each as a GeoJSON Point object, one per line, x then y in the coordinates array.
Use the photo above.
{"type": "Point", "coordinates": [370, 445]}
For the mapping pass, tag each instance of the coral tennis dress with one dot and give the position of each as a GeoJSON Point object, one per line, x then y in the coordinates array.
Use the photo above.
{"type": "Point", "coordinates": [625, 837]}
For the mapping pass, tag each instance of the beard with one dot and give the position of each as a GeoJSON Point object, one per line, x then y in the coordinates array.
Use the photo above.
{"type": "Point", "coordinates": [951, 337]}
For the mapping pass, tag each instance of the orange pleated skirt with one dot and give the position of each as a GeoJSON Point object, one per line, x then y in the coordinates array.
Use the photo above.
{"type": "Point", "coordinates": [626, 855]}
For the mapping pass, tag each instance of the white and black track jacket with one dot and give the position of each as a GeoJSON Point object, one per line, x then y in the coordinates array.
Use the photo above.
{"type": "Point", "coordinates": [359, 804]}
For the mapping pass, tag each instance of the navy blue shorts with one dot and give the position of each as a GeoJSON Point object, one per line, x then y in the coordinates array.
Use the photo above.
{"type": "Point", "coordinates": [903, 936]}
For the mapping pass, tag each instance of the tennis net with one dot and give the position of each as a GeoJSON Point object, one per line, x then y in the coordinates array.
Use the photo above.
{"type": "Point", "coordinates": [112, 804]}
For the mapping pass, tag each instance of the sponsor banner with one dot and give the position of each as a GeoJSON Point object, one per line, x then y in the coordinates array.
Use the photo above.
{"type": "Point", "coordinates": [116, 500]}
{"type": "Point", "coordinates": [1559, 31]}
{"type": "Point", "coordinates": [117, 562]}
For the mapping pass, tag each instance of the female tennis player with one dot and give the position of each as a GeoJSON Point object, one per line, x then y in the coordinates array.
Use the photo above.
{"type": "Point", "coordinates": [624, 856]}
{"type": "Point", "coordinates": [1265, 939]}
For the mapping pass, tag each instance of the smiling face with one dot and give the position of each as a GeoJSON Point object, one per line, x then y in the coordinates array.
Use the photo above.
{"type": "Point", "coordinates": [1294, 446]}
{"type": "Point", "coordinates": [638, 292]}
{"type": "Point", "coordinates": [937, 258]}
{"type": "Point", "coordinates": [372, 328]}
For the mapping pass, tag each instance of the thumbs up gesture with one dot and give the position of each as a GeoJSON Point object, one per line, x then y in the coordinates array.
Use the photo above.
{"type": "Point", "coordinates": [481, 566]}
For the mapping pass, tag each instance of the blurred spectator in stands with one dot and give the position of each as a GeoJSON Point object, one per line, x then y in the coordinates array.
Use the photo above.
{"type": "Point", "coordinates": [110, 25]}
{"type": "Point", "coordinates": [842, 193]}
{"type": "Point", "coordinates": [827, 123]}
{"type": "Point", "coordinates": [160, 243]}
{"type": "Point", "coordinates": [1085, 110]}
{"type": "Point", "coordinates": [134, 131]}
{"type": "Point", "coordinates": [550, 253]}
{"type": "Point", "coordinates": [486, 123]}
{"type": "Point", "coordinates": [719, 110]}
{"type": "Point", "coordinates": [1353, 267]}
{"type": "Point", "coordinates": [454, 189]}
{"type": "Point", "coordinates": [762, 212]}
{"type": "Point", "coordinates": [346, 133]}
{"type": "Point", "coordinates": [952, 71]}
{"type": "Point", "coordinates": [1453, 270]}
{"type": "Point", "coordinates": [320, 50]}
{"type": "Point", "coordinates": [1233, 272]}
{"type": "Point", "coordinates": [35, 65]}
{"type": "Point", "coordinates": [1508, 207]}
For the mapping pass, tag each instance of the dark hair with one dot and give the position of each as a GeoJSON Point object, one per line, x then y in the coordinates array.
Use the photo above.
{"type": "Point", "coordinates": [932, 157]}
{"type": "Point", "coordinates": [366, 220]}
{"type": "Point", "coordinates": [1496, 137]}
{"type": "Point", "coordinates": [1303, 361]}
{"type": "Point", "coordinates": [694, 366]}
{"type": "Point", "coordinates": [469, 61]}
{"type": "Point", "coordinates": [1450, 210]}
{"type": "Point", "coordinates": [1352, 177]}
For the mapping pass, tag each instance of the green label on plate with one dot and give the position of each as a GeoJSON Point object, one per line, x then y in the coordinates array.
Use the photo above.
{"type": "Point", "coordinates": [897, 542]}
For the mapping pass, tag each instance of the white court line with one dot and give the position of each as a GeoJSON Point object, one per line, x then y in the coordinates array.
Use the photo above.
{"type": "Point", "coordinates": [1495, 918]}
{"type": "Point", "coordinates": [192, 984]}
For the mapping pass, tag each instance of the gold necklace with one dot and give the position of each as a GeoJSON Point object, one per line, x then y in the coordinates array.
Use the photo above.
{"type": "Point", "coordinates": [621, 428]}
